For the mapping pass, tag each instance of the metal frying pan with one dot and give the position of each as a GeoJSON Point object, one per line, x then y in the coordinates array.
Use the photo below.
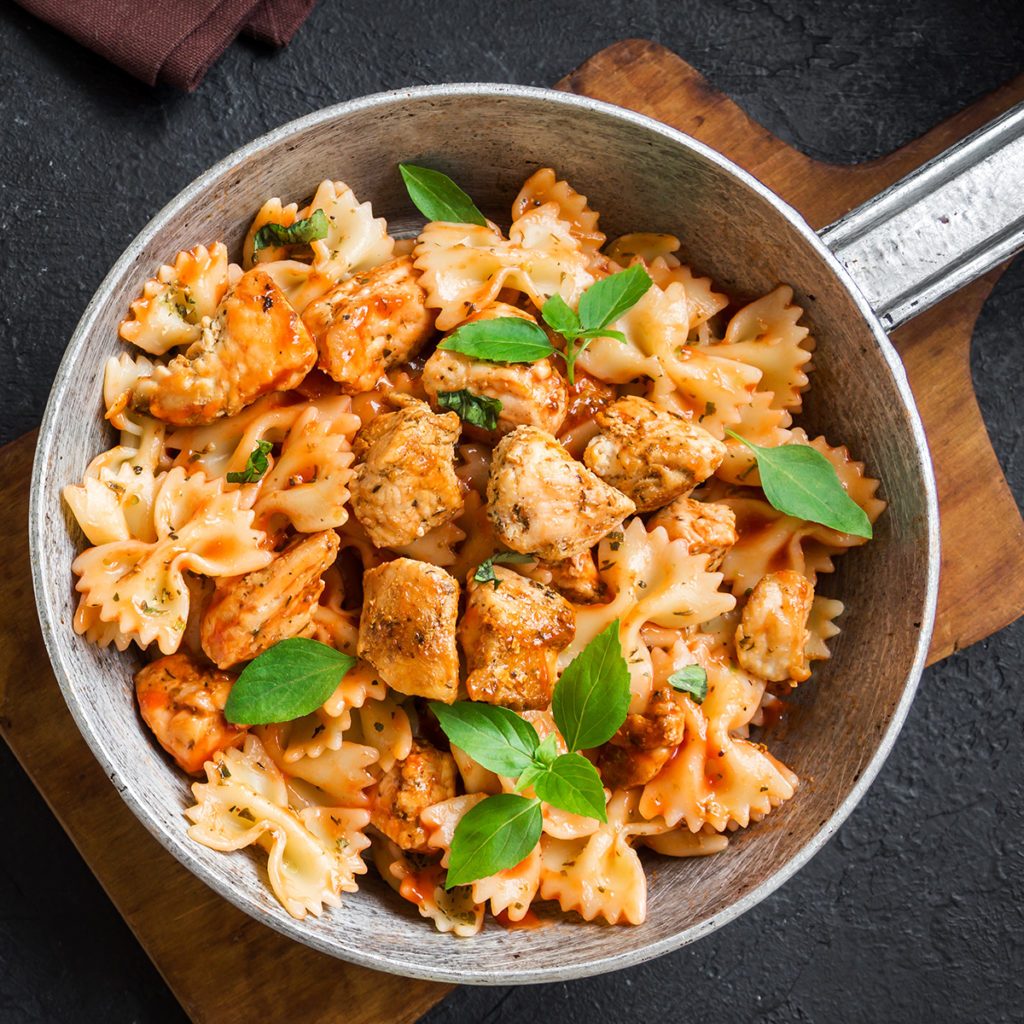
{"type": "Point", "coordinates": [893, 257]}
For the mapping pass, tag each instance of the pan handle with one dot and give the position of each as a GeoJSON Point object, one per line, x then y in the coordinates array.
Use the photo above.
{"type": "Point", "coordinates": [941, 226]}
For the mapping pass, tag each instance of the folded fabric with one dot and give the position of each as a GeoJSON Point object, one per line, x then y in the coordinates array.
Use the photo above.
{"type": "Point", "coordinates": [170, 41]}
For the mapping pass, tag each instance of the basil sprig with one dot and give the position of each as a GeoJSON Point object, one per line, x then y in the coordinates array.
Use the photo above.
{"type": "Point", "coordinates": [255, 465]}
{"type": "Point", "coordinates": [590, 702]}
{"type": "Point", "coordinates": [800, 482]}
{"type": "Point", "coordinates": [479, 410]}
{"type": "Point", "coordinates": [485, 570]}
{"type": "Point", "coordinates": [310, 229]}
{"type": "Point", "coordinates": [692, 680]}
{"type": "Point", "coordinates": [437, 197]}
{"type": "Point", "coordinates": [511, 339]}
{"type": "Point", "coordinates": [289, 680]}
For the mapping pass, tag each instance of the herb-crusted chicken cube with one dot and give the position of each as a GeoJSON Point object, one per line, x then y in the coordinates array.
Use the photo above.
{"type": "Point", "coordinates": [707, 527]}
{"type": "Point", "coordinates": [576, 578]}
{"type": "Point", "coordinates": [651, 454]}
{"type": "Point", "coordinates": [247, 614]}
{"type": "Point", "coordinates": [771, 639]}
{"type": "Point", "coordinates": [255, 344]}
{"type": "Point", "coordinates": [405, 484]}
{"type": "Point", "coordinates": [637, 752]}
{"type": "Point", "coordinates": [183, 703]}
{"type": "Point", "coordinates": [543, 502]}
{"type": "Point", "coordinates": [407, 629]}
{"type": "Point", "coordinates": [533, 394]}
{"type": "Point", "coordinates": [370, 322]}
{"type": "Point", "coordinates": [424, 778]}
{"type": "Point", "coordinates": [511, 635]}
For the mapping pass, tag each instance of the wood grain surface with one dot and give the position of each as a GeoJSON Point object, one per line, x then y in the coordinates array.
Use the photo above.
{"type": "Point", "coordinates": [214, 957]}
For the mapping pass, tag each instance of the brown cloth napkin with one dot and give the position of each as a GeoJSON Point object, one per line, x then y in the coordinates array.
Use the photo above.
{"type": "Point", "coordinates": [170, 41]}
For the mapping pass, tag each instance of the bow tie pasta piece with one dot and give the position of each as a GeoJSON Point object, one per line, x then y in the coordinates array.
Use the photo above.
{"type": "Point", "coordinates": [761, 424]}
{"type": "Point", "coordinates": [355, 241]}
{"type": "Point", "coordinates": [600, 875]}
{"type": "Point", "coordinates": [510, 891]}
{"type": "Point", "coordinates": [337, 777]}
{"type": "Point", "coordinates": [114, 501]}
{"type": "Point", "coordinates": [245, 802]}
{"type": "Point", "coordinates": [273, 211]}
{"type": "Point", "coordinates": [140, 585]}
{"type": "Point", "coordinates": [307, 485]}
{"type": "Point", "coordinates": [174, 303]}
{"type": "Point", "coordinates": [452, 911]}
{"type": "Point", "coordinates": [464, 266]}
{"type": "Point", "coordinates": [544, 186]}
{"type": "Point", "coordinates": [715, 778]}
{"type": "Point", "coordinates": [766, 335]}
{"type": "Point", "coordinates": [652, 579]}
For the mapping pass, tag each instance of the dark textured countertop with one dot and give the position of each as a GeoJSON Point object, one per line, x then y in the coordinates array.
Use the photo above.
{"type": "Point", "coordinates": [915, 911]}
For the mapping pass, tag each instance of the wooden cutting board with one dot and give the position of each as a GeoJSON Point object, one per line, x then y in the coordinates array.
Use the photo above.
{"type": "Point", "coordinates": [227, 977]}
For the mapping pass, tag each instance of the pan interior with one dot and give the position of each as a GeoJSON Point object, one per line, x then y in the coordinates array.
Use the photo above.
{"type": "Point", "coordinates": [639, 178]}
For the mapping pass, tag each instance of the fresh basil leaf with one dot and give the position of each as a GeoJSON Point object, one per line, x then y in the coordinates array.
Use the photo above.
{"type": "Point", "coordinates": [255, 465]}
{"type": "Point", "coordinates": [692, 680]}
{"type": "Point", "coordinates": [496, 834]}
{"type": "Point", "coordinates": [506, 339]}
{"type": "Point", "coordinates": [801, 482]}
{"type": "Point", "coordinates": [479, 410]}
{"type": "Point", "coordinates": [560, 316]}
{"type": "Point", "coordinates": [485, 570]}
{"type": "Point", "coordinates": [603, 332]}
{"type": "Point", "coordinates": [571, 783]}
{"type": "Point", "coordinates": [544, 757]}
{"type": "Point", "coordinates": [309, 229]}
{"type": "Point", "coordinates": [606, 300]}
{"type": "Point", "coordinates": [437, 197]}
{"type": "Point", "coordinates": [285, 682]}
{"type": "Point", "coordinates": [492, 735]}
{"type": "Point", "coordinates": [592, 696]}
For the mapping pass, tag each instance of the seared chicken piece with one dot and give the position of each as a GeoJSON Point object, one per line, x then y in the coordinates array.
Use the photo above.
{"type": "Point", "coordinates": [511, 635]}
{"type": "Point", "coordinates": [405, 483]}
{"type": "Point", "coordinates": [651, 454]}
{"type": "Point", "coordinates": [543, 502]}
{"type": "Point", "coordinates": [771, 639]}
{"type": "Point", "coordinates": [575, 578]}
{"type": "Point", "coordinates": [707, 527]}
{"type": "Point", "coordinates": [183, 703]}
{"type": "Point", "coordinates": [255, 344]}
{"type": "Point", "coordinates": [636, 753]}
{"type": "Point", "coordinates": [425, 777]}
{"type": "Point", "coordinates": [535, 394]}
{"type": "Point", "coordinates": [370, 322]}
{"type": "Point", "coordinates": [407, 629]}
{"type": "Point", "coordinates": [247, 614]}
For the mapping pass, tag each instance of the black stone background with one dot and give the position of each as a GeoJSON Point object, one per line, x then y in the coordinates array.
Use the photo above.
{"type": "Point", "coordinates": [915, 911]}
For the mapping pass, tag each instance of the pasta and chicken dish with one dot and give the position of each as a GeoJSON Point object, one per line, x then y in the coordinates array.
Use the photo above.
{"type": "Point", "coordinates": [517, 488]}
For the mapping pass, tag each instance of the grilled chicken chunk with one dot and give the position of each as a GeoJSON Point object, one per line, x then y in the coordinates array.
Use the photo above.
{"type": "Point", "coordinates": [405, 482]}
{"type": "Point", "coordinates": [369, 323]}
{"type": "Point", "coordinates": [650, 454]}
{"type": "Point", "coordinates": [543, 502]}
{"type": "Point", "coordinates": [183, 703]}
{"type": "Point", "coordinates": [425, 777]}
{"type": "Point", "coordinates": [707, 527]}
{"type": "Point", "coordinates": [511, 635]}
{"type": "Point", "coordinates": [771, 639]}
{"type": "Point", "coordinates": [637, 752]}
{"type": "Point", "coordinates": [534, 394]}
{"type": "Point", "coordinates": [247, 614]}
{"type": "Point", "coordinates": [574, 578]}
{"type": "Point", "coordinates": [407, 629]}
{"type": "Point", "coordinates": [255, 344]}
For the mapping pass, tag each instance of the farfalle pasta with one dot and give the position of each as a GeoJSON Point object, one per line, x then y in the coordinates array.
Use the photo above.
{"type": "Point", "coordinates": [283, 419]}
